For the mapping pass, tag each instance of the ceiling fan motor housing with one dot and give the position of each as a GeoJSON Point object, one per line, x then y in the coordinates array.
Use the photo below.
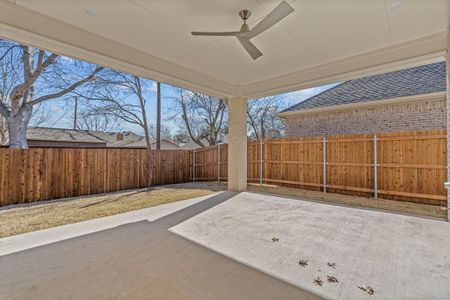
{"type": "Point", "coordinates": [245, 14]}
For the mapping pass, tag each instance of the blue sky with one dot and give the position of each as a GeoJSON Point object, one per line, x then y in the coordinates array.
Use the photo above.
{"type": "Point", "coordinates": [59, 117]}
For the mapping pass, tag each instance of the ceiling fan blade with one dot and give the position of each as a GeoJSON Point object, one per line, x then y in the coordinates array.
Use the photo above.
{"type": "Point", "coordinates": [276, 15]}
{"type": "Point", "coordinates": [225, 33]}
{"type": "Point", "coordinates": [251, 49]}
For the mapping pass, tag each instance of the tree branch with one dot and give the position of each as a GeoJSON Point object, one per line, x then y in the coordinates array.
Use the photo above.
{"type": "Point", "coordinates": [26, 61]}
{"type": "Point", "coordinates": [43, 65]}
{"type": "Point", "coordinates": [7, 51]}
{"type": "Point", "coordinates": [67, 90]}
{"type": "Point", "coordinates": [188, 126]}
{"type": "Point", "coordinates": [40, 58]}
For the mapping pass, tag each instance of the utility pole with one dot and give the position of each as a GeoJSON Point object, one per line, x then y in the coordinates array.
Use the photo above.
{"type": "Point", "coordinates": [75, 114]}
{"type": "Point", "coordinates": [263, 131]}
{"type": "Point", "coordinates": [158, 116]}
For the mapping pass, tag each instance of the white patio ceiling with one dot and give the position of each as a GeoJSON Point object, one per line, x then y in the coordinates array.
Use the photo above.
{"type": "Point", "coordinates": [321, 42]}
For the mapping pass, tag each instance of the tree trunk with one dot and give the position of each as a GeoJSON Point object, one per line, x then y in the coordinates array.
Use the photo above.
{"type": "Point", "coordinates": [212, 136]}
{"type": "Point", "coordinates": [3, 130]}
{"type": "Point", "coordinates": [17, 128]}
{"type": "Point", "coordinates": [137, 82]}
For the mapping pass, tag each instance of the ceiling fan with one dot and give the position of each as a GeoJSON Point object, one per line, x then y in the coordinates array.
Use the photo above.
{"type": "Point", "coordinates": [245, 33]}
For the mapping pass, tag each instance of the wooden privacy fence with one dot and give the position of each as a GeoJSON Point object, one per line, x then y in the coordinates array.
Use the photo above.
{"type": "Point", "coordinates": [408, 166]}
{"type": "Point", "coordinates": [50, 173]}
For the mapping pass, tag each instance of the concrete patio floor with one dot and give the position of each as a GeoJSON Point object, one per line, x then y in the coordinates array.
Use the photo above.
{"type": "Point", "coordinates": [399, 256]}
{"type": "Point", "coordinates": [141, 260]}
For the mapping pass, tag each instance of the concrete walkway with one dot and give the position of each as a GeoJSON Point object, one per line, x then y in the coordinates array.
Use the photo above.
{"type": "Point", "coordinates": [43, 237]}
{"type": "Point", "coordinates": [399, 256]}
{"type": "Point", "coordinates": [141, 260]}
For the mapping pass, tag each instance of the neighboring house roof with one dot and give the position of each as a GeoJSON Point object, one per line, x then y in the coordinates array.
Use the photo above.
{"type": "Point", "coordinates": [109, 139]}
{"type": "Point", "coordinates": [117, 139]}
{"type": "Point", "coordinates": [62, 135]}
{"type": "Point", "coordinates": [408, 82]}
{"type": "Point", "coordinates": [141, 143]}
{"type": "Point", "coordinates": [221, 139]}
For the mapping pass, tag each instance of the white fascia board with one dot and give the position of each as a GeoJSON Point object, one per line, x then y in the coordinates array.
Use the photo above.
{"type": "Point", "coordinates": [439, 96]}
{"type": "Point", "coordinates": [34, 29]}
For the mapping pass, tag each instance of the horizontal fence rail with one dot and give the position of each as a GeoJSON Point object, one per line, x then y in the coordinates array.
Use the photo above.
{"type": "Point", "coordinates": [37, 174]}
{"type": "Point", "coordinates": [409, 166]}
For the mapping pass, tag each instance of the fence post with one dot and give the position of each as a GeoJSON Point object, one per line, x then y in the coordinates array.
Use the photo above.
{"type": "Point", "coordinates": [261, 164]}
{"type": "Point", "coordinates": [159, 166]}
{"type": "Point", "coordinates": [193, 165]}
{"type": "Point", "coordinates": [375, 167]}
{"type": "Point", "coordinates": [218, 162]}
{"type": "Point", "coordinates": [324, 150]}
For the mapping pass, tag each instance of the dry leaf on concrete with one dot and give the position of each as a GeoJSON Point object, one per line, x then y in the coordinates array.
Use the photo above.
{"type": "Point", "coordinates": [332, 279]}
{"type": "Point", "coordinates": [332, 265]}
{"type": "Point", "coordinates": [303, 263]}
{"type": "Point", "coordinates": [367, 289]}
{"type": "Point", "coordinates": [318, 281]}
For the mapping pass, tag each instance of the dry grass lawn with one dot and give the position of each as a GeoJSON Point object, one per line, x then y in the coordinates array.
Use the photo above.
{"type": "Point", "coordinates": [37, 216]}
{"type": "Point", "coordinates": [383, 204]}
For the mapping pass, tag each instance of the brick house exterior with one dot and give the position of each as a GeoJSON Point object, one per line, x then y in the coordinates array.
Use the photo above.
{"type": "Point", "coordinates": [406, 100]}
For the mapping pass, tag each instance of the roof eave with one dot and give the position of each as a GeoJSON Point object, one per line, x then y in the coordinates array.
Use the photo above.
{"type": "Point", "coordinates": [397, 100]}
{"type": "Point", "coordinates": [64, 141]}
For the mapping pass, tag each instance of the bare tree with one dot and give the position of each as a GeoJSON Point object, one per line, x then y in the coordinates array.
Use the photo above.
{"type": "Point", "coordinates": [262, 118]}
{"type": "Point", "coordinates": [96, 122]}
{"type": "Point", "coordinates": [202, 116]}
{"type": "Point", "coordinates": [9, 78]}
{"type": "Point", "coordinates": [38, 76]}
{"type": "Point", "coordinates": [124, 97]}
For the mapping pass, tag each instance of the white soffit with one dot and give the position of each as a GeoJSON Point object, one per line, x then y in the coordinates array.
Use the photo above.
{"type": "Point", "coordinates": [321, 42]}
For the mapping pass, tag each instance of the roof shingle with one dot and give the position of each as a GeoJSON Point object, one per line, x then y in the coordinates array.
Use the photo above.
{"type": "Point", "coordinates": [408, 82]}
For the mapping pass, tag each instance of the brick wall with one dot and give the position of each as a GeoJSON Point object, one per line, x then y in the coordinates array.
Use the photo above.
{"type": "Point", "coordinates": [427, 115]}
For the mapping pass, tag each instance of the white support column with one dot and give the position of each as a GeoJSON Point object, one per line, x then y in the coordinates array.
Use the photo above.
{"type": "Point", "coordinates": [237, 144]}
{"type": "Point", "coordinates": [447, 185]}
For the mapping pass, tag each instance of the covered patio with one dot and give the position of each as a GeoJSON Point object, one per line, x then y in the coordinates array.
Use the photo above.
{"type": "Point", "coordinates": [224, 247]}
